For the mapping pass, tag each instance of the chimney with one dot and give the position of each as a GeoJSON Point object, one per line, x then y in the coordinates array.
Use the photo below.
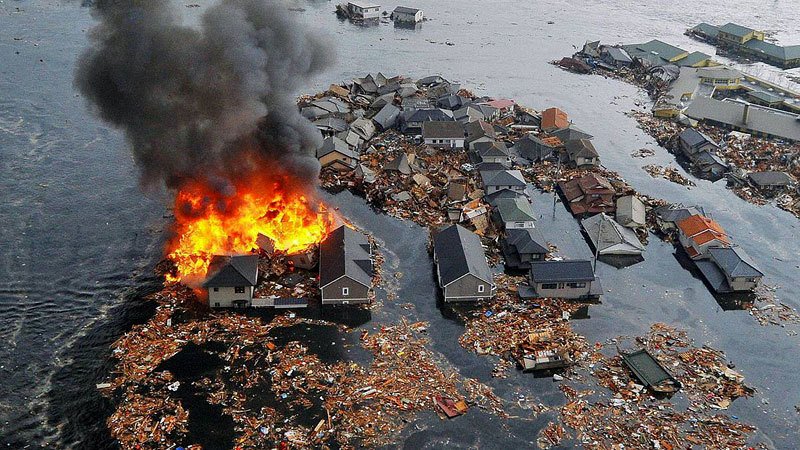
{"type": "Point", "coordinates": [745, 113]}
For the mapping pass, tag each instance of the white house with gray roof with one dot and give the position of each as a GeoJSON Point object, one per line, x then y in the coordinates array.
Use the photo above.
{"type": "Point", "coordinates": [730, 269]}
{"type": "Point", "coordinates": [231, 281]}
{"type": "Point", "coordinates": [345, 267]}
{"type": "Point", "coordinates": [461, 268]}
{"type": "Point", "coordinates": [573, 279]}
{"type": "Point", "coordinates": [515, 213]}
{"type": "Point", "coordinates": [497, 180]}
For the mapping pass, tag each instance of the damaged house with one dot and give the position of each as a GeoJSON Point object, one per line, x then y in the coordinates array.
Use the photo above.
{"type": "Point", "coordinates": [337, 154]}
{"type": "Point", "coordinates": [461, 268]}
{"type": "Point", "coordinates": [581, 153]}
{"type": "Point", "coordinates": [231, 281]}
{"type": "Point", "coordinates": [514, 213]}
{"type": "Point", "coordinates": [610, 238]}
{"type": "Point", "coordinates": [573, 279]}
{"type": "Point", "coordinates": [590, 194]}
{"type": "Point", "coordinates": [345, 267]}
{"type": "Point", "coordinates": [535, 148]}
{"type": "Point", "coordinates": [730, 269]}
{"type": "Point", "coordinates": [448, 134]}
{"type": "Point", "coordinates": [697, 234]}
{"type": "Point", "coordinates": [497, 180]}
{"type": "Point", "coordinates": [701, 151]}
{"type": "Point", "coordinates": [522, 246]}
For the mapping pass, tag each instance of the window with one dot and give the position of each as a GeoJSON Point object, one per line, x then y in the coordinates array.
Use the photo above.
{"type": "Point", "coordinates": [577, 285]}
{"type": "Point", "coordinates": [549, 286]}
{"type": "Point", "coordinates": [239, 289]}
{"type": "Point", "coordinates": [345, 291]}
{"type": "Point", "coordinates": [520, 224]}
{"type": "Point", "coordinates": [481, 288]}
{"type": "Point", "coordinates": [561, 285]}
{"type": "Point", "coordinates": [216, 304]}
{"type": "Point", "coordinates": [216, 289]}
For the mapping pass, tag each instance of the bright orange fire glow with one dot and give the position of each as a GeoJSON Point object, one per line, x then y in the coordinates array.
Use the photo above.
{"type": "Point", "coordinates": [208, 223]}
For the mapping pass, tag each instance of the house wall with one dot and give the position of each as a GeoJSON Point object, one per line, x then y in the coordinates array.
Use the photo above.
{"type": "Point", "coordinates": [524, 225]}
{"type": "Point", "coordinates": [743, 283]}
{"type": "Point", "coordinates": [493, 189]}
{"type": "Point", "coordinates": [405, 17]}
{"type": "Point", "coordinates": [466, 289]}
{"type": "Point", "coordinates": [445, 143]}
{"type": "Point", "coordinates": [563, 290]}
{"type": "Point", "coordinates": [332, 293]}
{"type": "Point", "coordinates": [496, 159]}
{"type": "Point", "coordinates": [223, 297]}
{"type": "Point", "coordinates": [581, 161]}
{"type": "Point", "coordinates": [334, 158]}
{"type": "Point", "coordinates": [365, 13]}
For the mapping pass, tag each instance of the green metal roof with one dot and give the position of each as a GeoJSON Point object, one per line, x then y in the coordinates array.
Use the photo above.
{"type": "Point", "coordinates": [515, 209]}
{"type": "Point", "coordinates": [736, 30]}
{"type": "Point", "coordinates": [693, 58]}
{"type": "Point", "coordinates": [661, 49]}
{"type": "Point", "coordinates": [707, 29]}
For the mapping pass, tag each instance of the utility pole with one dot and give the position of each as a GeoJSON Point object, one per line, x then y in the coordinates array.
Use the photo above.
{"type": "Point", "coordinates": [597, 243]}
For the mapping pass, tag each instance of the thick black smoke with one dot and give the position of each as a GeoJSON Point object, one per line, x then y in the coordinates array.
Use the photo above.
{"type": "Point", "coordinates": [191, 99]}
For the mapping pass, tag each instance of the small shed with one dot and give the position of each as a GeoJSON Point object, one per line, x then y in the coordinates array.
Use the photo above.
{"type": "Point", "coordinates": [630, 212]}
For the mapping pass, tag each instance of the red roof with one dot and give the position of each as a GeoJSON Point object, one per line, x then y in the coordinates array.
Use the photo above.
{"type": "Point", "coordinates": [554, 119]}
{"type": "Point", "coordinates": [701, 229]}
{"type": "Point", "coordinates": [501, 103]}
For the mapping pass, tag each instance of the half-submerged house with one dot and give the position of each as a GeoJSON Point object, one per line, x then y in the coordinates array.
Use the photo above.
{"type": "Point", "coordinates": [231, 281]}
{"type": "Point", "coordinates": [573, 279]}
{"type": "Point", "coordinates": [345, 267]}
{"type": "Point", "coordinates": [461, 267]}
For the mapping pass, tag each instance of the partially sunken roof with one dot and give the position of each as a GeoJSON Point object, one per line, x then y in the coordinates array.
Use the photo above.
{"type": "Point", "coordinates": [610, 237]}
{"type": "Point", "coordinates": [771, 178]}
{"type": "Point", "coordinates": [232, 271]}
{"type": "Point", "coordinates": [562, 271]}
{"type": "Point", "coordinates": [674, 213]}
{"type": "Point", "coordinates": [459, 252]}
{"type": "Point", "coordinates": [345, 252]}
{"type": "Point", "coordinates": [735, 262]}
{"type": "Point", "coordinates": [764, 120]}
{"type": "Point", "coordinates": [406, 10]}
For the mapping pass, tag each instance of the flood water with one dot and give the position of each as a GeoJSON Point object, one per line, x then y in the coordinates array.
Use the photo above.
{"type": "Point", "coordinates": [79, 238]}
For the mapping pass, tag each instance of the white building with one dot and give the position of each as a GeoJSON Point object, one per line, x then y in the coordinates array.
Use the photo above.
{"type": "Point", "coordinates": [407, 15]}
{"type": "Point", "coordinates": [231, 280]}
{"type": "Point", "coordinates": [364, 10]}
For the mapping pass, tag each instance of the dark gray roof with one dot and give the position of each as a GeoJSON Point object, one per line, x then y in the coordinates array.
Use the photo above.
{"type": "Point", "coordinates": [571, 133]}
{"type": "Point", "coordinates": [502, 178]}
{"type": "Point", "coordinates": [399, 164]}
{"type": "Point", "coordinates": [646, 368]}
{"type": "Point", "coordinates": [714, 276]}
{"type": "Point", "coordinates": [232, 271]}
{"type": "Point", "coordinates": [706, 29]}
{"type": "Point", "coordinates": [502, 193]}
{"type": "Point", "coordinates": [491, 166]}
{"type": "Point", "coordinates": [459, 252]}
{"type": "Point", "coordinates": [562, 271]}
{"type": "Point", "coordinates": [675, 213]}
{"type": "Point", "coordinates": [770, 178]}
{"type": "Point", "coordinates": [760, 118]}
{"type": "Point", "coordinates": [334, 144]}
{"type": "Point", "coordinates": [582, 147]}
{"type": "Point", "coordinates": [442, 130]}
{"type": "Point", "coordinates": [332, 123]}
{"type": "Point", "coordinates": [387, 116]}
{"type": "Point", "coordinates": [428, 115]}
{"type": "Point", "coordinates": [618, 54]}
{"type": "Point", "coordinates": [406, 10]}
{"type": "Point", "coordinates": [450, 101]}
{"type": "Point", "coordinates": [494, 148]}
{"type": "Point", "coordinates": [735, 262]}
{"type": "Point", "coordinates": [527, 241]}
{"type": "Point", "coordinates": [694, 138]}
{"type": "Point", "coordinates": [345, 253]}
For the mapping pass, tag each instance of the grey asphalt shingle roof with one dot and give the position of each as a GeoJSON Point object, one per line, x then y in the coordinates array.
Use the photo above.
{"type": "Point", "coordinates": [581, 148]}
{"type": "Point", "coordinates": [387, 116]}
{"type": "Point", "coordinates": [770, 178]}
{"type": "Point", "coordinates": [735, 262]}
{"type": "Point", "coordinates": [670, 213]}
{"type": "Point", "coordinates": [459, 252]}
{"type": "Point", "coordinates": [571, 133]}
{"type": "Point", "coordinates": [503, 178]}
{"type": "Point", "coordinates": [232, 271]}
{"type": "Point", "coordinates": [334, 144]}
{"type": "Point", "coordinates": [527, 241]}
{"type": "Point", "coordinates": [694, 138]}
{"type": "Point", "coordinates": [443, 130]}
{"type": "Point", "coordinates": [491, 149]}
{"type": "Point", "coordinates": [562, 271]}
{"type": "Point", "coordinates": [345, 252]}
{"type": "Point", "coordinates": [516, 209]}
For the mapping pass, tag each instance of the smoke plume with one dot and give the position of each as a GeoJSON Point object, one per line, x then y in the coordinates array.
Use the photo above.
{"type": "Point", "coordinates": [191, 100]}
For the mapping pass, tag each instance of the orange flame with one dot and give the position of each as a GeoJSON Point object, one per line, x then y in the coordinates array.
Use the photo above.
{"type": "Point", "coordinates": [208, 223]}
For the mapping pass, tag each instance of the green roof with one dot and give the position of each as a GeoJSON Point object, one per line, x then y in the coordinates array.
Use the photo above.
{"type": "Point", "coordinates": [515, 209]}
{"type": "Point", "coordinates": [736, 30]}
{"type": "Point", "coordinates": [765, 97]}
{"type": "Point", "coordinates": [776, 51]}
{"type": "Point", "coordinates": [662, 49]}
{"type": "Point", "coordinates": [693, 58]}
{"type": "Point", "coordinates": [706, 29]}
